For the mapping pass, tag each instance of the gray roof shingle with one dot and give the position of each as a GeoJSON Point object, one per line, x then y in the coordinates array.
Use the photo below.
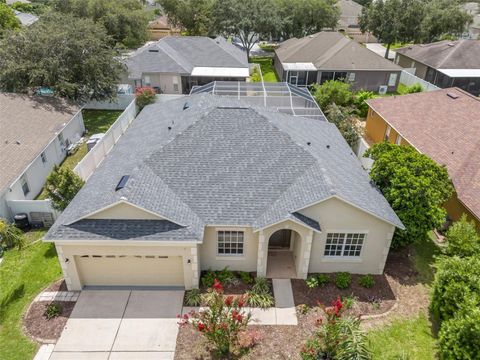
{"type": "Point", "coordinates": [223, 162]}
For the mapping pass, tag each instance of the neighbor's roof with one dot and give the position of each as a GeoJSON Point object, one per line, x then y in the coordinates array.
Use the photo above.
{"type": "Point", "coordinates": [25, 18]}
{"type": "Point", "coordinates": [444, 128]}
{"type": "Point", "coordinates": [223, 162]}
{"type": "Point", "coordinates": [446, 54]}
{"type": "Point", "coordinates": [332, 51]}
{"type": "Point", "coordinates": [349, 12]}
{"type": "Point", "coordinates": [162, 23]}
{"type": "Point", "coordinates": [27, 125]}
{"type": "Point", "coordinates": [181, 54]}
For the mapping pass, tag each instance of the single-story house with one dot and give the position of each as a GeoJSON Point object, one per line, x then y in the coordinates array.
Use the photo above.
{"type": "Point", "coordinates": [331, 56]}
{"type": "Point", "coordinates": [443, 124]}
{"type": "Point", "coordinates": [174, 64]}
{"type": "Point", "coordinates": [35, 133]}
{"type": "Point", "coordinates": [209, 182]}
{"type": "Point", "coordinates": [161, 27]}
{"type": "Point", "coordinates": [445, 63]}
{"type": "Point", "coordinates": [473, 8]}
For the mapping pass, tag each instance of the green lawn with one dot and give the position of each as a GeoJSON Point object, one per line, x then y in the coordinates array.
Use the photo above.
{"type": "Point", "coordinates": [23, 274]}
{"type": "Point", "coordinates": [96, 121]}
{"type": "Point", "coordinates": [268, 71]}
{"type": "Point", "coordinates": [409, 338]}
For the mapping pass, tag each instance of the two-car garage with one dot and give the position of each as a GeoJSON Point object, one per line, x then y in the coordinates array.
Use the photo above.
{"type": "Point", "coordinates": [129, 266]}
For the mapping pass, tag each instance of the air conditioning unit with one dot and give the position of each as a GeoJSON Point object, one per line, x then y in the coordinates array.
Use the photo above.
{"type": "Point", "coordinates": [382, 90]}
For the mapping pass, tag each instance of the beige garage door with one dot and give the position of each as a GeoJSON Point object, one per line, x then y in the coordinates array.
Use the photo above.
{"type": "Point", "coordinates": [109, 270]}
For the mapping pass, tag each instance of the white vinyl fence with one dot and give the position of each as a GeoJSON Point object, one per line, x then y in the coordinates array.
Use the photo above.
{"type": "Point", "coordinates": [408, 79]}
{"type": "Point", "coordinates": [120, 103]}
{"type": "Point", "coordinates": [360, 149]}
{"type": "Point", "coordinates": [96, 155]}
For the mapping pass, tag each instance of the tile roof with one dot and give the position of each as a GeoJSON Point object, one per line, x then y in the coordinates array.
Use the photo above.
{"type": "Point", "coordinates": [443, 128]}
{"type": "Point", "coordinates": [330, 50]}
{"type": "Point", "coordinates": [223, 162]}
{"type": "Point", "coordinates": [180, 54]}
{"type": "Point", "coordinates": [27, 125]}
{"type": "Point", "coordinates": [446, 54]}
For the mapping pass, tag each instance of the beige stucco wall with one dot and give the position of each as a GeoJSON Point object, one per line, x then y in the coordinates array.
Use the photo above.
{"type": "Point", "coordinates": [335, 215]}
{"type": "Point", "coordinates": [211, 260]}
{"type": "Point", "coordinates": [71, 274]}
{"type": "Point", "coordinates": [164, 82]}
{"type": "Point", "coordinates": [124, 211]}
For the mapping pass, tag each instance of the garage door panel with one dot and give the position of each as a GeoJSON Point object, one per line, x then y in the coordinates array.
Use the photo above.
{"type": "Point", "coordinates": [130, 270]}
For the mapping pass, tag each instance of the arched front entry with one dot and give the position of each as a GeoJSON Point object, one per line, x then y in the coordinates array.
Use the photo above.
{"type": "Point", "coordinates": [283, 254]}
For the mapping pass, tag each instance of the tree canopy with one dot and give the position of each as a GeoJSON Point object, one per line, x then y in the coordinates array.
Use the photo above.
{"type": "Point", "coordinates": [70, 55]}
{"type": "Point", "coordinates": [194, 16]}
{"type": "Point", "coordinates": [124, 20]}
{"type": "Point", "coordinates": [62, 185]}
{"type": "Point", "coordinates": [462, 238]}
{"type": "Point", "coordinates": [413, 20]}
{"type": "Point", "coordinates": [415, 186]}
{"type": "Point", "coordinates": [8, 20]}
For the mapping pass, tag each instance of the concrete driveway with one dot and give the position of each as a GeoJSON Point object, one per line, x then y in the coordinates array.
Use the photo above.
{"type": "Point", "coordinates": [121, 325]}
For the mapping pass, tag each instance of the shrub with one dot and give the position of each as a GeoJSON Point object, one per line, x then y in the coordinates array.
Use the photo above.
{"type": "Point", "coordinates": [62, 185]}
{"type": "Point", "coordinates": [360, 104]}
{"type": "Point", "coordinates": [346, 123]}
{"type": "Point", "coordinates": [349, 301]}
{"type": "Point", "coordinates": [222, 323]}
{"type": "Point", "coordinates": [312, 282]}
{"type": "Point", "coordinates": [332, 91]}
{"type": "Point", "coordinates": [246, 277]}
{"type": "Point", "coordinates": [462, 238]}
{"type": "Point", "coordinates": [10, 235]}
{"type": "Point", "coordinates": [193, 297]}
{"type": "Point", "coordinates": [456, 283]}
{"type": "Point", "coordinates": [144, 96]}
{"type": "Point", "coordinates": [323, 279]}
{"type": "Point", "coordinates": [415, 88]}
{"type": "Point", "coordinates": [52, 310]}
{"type": "Point", "coordinates": [338, 338]}
{"type": "Point", "coordinates": [343, 280]}
{"type": "Point", "coordinates": [260, 300]}
{"type": "Point", "coordinates": [256, 75]}
{"type": "Point", "coordinates": [261, 286]}
{"type": "Point", "coordinates": [225, 276]}
{"type": "Point", "coordinates": [459, 337]}
{"type": "Point", "coordinates": [366, 281]}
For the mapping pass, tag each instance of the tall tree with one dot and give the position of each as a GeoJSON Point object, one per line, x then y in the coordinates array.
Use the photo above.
{"type": "Point", "coordinates": [8, 21]}
{"type": "Point", "coordinates": [303, 17]}
{"type": "Point", "coordinates": [245, 20]}
{"type": "Point", "coordinates": [62, 185]}
{"type": "Point", "coordinates": [126, 21]}
{"type": "Point", "coordinates": [70, 55]}
{"type": "Point", "coordinates": [194, 16]}
{"type": "Point", "coordinates": [415, 186]}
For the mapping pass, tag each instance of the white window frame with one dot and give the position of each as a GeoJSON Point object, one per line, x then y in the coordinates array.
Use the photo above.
{"type": "Point", "coordinates": [345, 234]}
{"type": "Point", "coordinates": [386, 137]}
{"type": "Point", "coordinates": [175, 84]}
{"type": "Point", "coordinates": [351, 77]}
{"type": "Point", "coordinates": [229, 230]}
{"type": "Point", "coordinates": [24, 182]}
{"type": "Point", "coordinates": [392, 79]}
{"type": "Point", "coordinates": [43, 156]}
{"type": "Point", "coordinates": [147, 80]}
{"type": "Point", "coordinates": [398, 140]}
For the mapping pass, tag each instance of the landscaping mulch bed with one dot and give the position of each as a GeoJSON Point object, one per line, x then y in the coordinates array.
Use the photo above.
{"type": "Point", "coordinates": [376, 300]}
{"type": "Point", "coordinates": [59, 285]}
{"type": "Point", "coordinates": [277, 342]}
{"type": "Point", "coordinates": [39, 328]}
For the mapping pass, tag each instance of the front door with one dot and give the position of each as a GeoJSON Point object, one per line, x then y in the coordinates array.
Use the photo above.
{"type": "Point", "coordinates": [280, 240]}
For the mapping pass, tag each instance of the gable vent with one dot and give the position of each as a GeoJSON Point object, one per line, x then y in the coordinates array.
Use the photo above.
{"type": "Point", "coordinates": [123, 181]}
{"type": "Point", "coordinates": [452, 95]}
{"type": "Point", "coordinates": [186, 105]}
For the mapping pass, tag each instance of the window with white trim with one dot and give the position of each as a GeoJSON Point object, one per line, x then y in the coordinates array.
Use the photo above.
{"type": "Point", "coordinates": [44, 157]}
{"type": "Point", "coordinates": [399, 140]}
{"type": "Point", "coordinates": [387, 133]}
{"type": "Point", "coordinates": [230, 242]}
{"type": "Point", "coordinates": [24, 184]}
{"type": "Point", "coordinates": [344, 244]}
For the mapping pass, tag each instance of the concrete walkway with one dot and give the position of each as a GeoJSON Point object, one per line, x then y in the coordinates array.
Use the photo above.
{"type": "Point", "coordinates": [121, 324]}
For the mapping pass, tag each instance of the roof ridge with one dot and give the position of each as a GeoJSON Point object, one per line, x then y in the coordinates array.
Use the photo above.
{"type": "Point", "coordinates": [449, 55]}
{"type": "Point", "coordinates": [337, 47]}
{"type": "Point", "coordinates": [174, 55]}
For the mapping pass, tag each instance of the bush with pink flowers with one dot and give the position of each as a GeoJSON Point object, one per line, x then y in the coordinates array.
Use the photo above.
{"type": "Point", "coordinates": [144, 96]}
{"type": "Point", "coordinates": [223, 323]}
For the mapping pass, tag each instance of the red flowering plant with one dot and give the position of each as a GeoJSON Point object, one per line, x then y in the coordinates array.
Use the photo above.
{"type": "Point", "coordinates": [224, 322]}
{"type": "Point", "coordinates": [338, 337]}
{"type": "Point", "coordinates": [144, 96]}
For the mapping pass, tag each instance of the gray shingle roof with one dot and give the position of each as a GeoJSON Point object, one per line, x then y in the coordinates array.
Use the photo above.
{"type": "Point", "coordinates": [330, 50]}
{"type": "Point", "coordinates": [223, 162]}
{"type": "Point", "coordinates": [180, 54]}
{"type": "Point", "coordinates": [446, 54]}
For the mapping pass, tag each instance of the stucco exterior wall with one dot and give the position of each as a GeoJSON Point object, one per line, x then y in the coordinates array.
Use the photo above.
{"type": "Point", "coordinates": [124, 211]}
{"type": "Point", "coordinates": [336, 215]}
{"type": "Point", "coordinates": [278, 68]}
{"type": "Point", "coordinates": [376, 128]}
{"type": "Point", "coordinates": [164, 81]}
{"type": "Point", "coordinates": [456, 209]}
{"type": "Point", "coordinates": [71, 274]}
{"type": "Point", "coordinates": [211, 260]}
{"type": "Point", "coordinates": [408, 63]}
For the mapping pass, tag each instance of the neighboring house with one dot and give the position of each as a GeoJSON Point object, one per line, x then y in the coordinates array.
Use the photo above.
{"type": "Point", "coordinates": [174, 64]}
{"type": "Point", "coordinates": [11, 2]}
{"type": "Point", "coordinates": [473, 9]}
{"type": "Point", "coordinates": [332, 56]}
{"type": "Point", "coordinates": [208, 182]}
{"type": "Point", "coordinates": [445, 63]}
{"type": "Point", "coordinates": [26, 19]}
{"type": "Point", "coordinates": [443, 124]}
{"type": "Point", "coordinates": [348, 23]}
{"type": "Point", "coordinates": [34, 135]}
{"type": "Point", "coordinates": [161, 27]}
